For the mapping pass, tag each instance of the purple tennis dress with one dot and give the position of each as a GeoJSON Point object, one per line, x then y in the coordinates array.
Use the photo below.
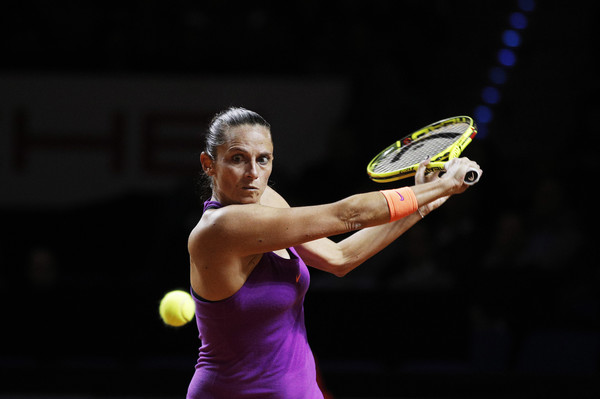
{"type": "Point", "coordinates": [254, 344]}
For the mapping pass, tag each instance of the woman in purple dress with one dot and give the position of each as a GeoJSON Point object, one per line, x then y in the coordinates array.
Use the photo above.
{"type": "Point", "coordinates": [248, 252]}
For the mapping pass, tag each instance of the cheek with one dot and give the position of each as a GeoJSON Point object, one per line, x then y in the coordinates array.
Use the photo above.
{"type": "Point", "coordinates": [267, 173]}
{"type": "Point", "coordinates": [226, 176]}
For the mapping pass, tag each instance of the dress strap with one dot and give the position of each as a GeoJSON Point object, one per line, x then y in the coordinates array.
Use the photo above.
{"type": "Point", "coordinates": [211, 205]}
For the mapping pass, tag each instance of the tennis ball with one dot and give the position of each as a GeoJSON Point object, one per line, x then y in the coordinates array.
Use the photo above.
{"type": "Point", "coordinates": [177, 308]}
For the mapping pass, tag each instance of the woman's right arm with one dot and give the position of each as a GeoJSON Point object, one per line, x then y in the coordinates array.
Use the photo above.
{"type": "Point", "coordinates": [247, 229]}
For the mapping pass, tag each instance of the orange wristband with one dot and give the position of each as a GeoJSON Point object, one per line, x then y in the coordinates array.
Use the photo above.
{"type": "Point", "coordinates": [401, 202]}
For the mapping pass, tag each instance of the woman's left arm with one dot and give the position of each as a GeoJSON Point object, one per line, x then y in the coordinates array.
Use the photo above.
{"type": "Point", "coordinates": [342, 257]}
{"type": "Point", "coordinates": [339, 258]}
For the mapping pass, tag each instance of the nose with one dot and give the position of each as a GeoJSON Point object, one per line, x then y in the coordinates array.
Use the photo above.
{"type": "Point", "coordinates": [252, 170]}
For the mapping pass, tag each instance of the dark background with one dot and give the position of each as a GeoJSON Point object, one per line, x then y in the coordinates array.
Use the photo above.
{"type": "Point", "coordinates": [494, 295]}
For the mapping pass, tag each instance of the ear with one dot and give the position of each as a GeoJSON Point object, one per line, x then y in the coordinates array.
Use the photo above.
{"type": "Point", "coordinates": [207, 163]}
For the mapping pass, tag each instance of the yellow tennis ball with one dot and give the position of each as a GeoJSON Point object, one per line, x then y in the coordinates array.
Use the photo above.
{"type": "Point", "coordinates": [177, 308]}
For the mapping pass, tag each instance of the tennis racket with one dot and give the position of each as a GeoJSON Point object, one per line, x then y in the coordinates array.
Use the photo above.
{"type": "Point", "coordinates": [441, 141]}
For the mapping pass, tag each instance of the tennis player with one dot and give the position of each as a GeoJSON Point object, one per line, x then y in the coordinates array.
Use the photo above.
{"type": "Point", "coordinates": [248, 257]}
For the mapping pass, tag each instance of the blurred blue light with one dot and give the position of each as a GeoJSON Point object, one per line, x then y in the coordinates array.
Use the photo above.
{"type": "Point", "coordinates": [497, 75]}
{"type": "Point", "coordinates": [511, 38]}
{"type": "Point", "coordinates": [527, 5]}
{"type": "Point", "coordinates": [518, 20]}
{"type": "Point", "coordinates": [483, 114]}
{"type": "Point", "coordinates": [490, 95]}
{"type": "Point", "coordinates": [506, 57]}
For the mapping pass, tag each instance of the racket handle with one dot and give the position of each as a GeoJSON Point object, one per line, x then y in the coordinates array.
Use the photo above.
{"type": "Point", "coordinates": [471, 177]}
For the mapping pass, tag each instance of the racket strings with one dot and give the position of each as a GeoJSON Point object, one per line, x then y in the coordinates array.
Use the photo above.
{"type": "Point", "coordinates": [428, 145]}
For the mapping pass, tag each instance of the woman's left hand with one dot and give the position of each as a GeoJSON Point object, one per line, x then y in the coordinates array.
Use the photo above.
{"type": "Point", "coordinates": [420, 178]}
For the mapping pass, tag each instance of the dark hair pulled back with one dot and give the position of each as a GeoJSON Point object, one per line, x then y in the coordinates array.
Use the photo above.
{"type": "Point", "coordinates": [216, 135]}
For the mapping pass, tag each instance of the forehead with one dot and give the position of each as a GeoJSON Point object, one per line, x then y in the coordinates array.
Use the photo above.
{"type": "Point", "coordinates": [249, 136]}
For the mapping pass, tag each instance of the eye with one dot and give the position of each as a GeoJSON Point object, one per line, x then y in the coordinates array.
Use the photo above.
{"type": "Point", "coordinates": [237, 158]}
{"type": "Point", "coordinates": [263, 160]}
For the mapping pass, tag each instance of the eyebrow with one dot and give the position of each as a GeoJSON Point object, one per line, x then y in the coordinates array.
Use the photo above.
{"type": "Point", "coordinates": [236, 148]}
{"type": "Point", "coordinates": [244, 150]}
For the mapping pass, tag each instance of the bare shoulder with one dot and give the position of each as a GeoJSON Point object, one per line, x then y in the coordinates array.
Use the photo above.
{"type": "Point", "coordinates": [209, 247]}
{"type": "Point", "coordinates": [216, 270]}
{"type": "Point", "coordinates": [272, 198]}
{"type": "Point", "coordinates": [218, 229]}
{"type": "Point", "coordinates": [203, 234]}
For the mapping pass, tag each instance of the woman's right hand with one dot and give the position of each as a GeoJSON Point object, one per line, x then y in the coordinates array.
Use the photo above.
{"type": "Point", "coordinates": [457, 169]}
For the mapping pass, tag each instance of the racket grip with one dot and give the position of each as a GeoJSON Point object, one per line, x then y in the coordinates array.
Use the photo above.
{"type": "Point", "coordinates": [471, 177]}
